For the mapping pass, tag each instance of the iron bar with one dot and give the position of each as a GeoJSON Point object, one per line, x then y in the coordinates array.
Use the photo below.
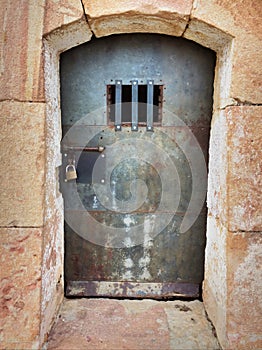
{"type": "Point", "coordinates": [84, 149]}
{"type": "Point", "coordinates": [134, 105]}
{"type": "Point", "coordinates": [118, 105]}
{"type": "Point", "coordinates": [150, 96]}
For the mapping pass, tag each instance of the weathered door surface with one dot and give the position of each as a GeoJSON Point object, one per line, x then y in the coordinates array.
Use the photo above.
{"type": "Point", "coordinates": [136, 115]}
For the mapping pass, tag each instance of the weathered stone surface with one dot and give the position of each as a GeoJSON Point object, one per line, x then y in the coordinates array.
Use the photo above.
{"type": "Point", "coordinates": [232, 289]}
{"type": "Point", "coordinates": [55, 42]}
{"type": "Point", "coordinates": [132, 324]}
{"type": "Point", "coordinates": [61, 12]}
{"type": "Point", "coordinates": [206, 35]}
{"type": "Point", "coordinates": [244, 305]}
{"type": "Point", "coordinates": [215, 280]}
{"type": "Point", "coordinates": [52, 269]}
{"type": "Point", "coordinates": [22, 163]}
{"type": "Point", "coordinates": [217, 177]}
{"type": "Point", "coordinates": [244, 180]}
{"type": "Point", "coordinates": [21, 65]}
{"type": "Point", "coordinates": [240, 19]}
{"type": "Point", "coordinates": [99, 8]}
{"type": "Point", "coordinates": [234, 164]}
{"type": "Point", "coordinates": [167, 17]}
{"type": "Point", "coordinates": [20, 282]}
{"type": "Point", "coordinates": [234, 203]}
{"type": "Point", "coordinates": [189, 327]}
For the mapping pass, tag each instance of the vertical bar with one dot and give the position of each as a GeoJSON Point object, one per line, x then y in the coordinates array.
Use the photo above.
{"type": "Point", "coordinates": [118, 105]}
{"type": "Point", "coordinates": [134, 105]}
{"type": "Point", "coordinates": [150, 96]}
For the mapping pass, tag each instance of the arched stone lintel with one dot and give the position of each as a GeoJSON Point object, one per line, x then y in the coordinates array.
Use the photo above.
{"type": "Point", "coordinates": [162, 23]}
{"type": "Point", "coordinates": [131, 22]}
{"type": "Point", "coordinates": [205, 34]}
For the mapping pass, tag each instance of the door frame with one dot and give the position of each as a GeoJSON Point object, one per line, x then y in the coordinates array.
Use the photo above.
{"type": "Point", "coordinates": [76, 33]}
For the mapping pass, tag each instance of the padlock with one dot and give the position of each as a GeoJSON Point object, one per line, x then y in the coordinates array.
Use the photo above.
{"type": "Point", "coordinates": [70, 173]}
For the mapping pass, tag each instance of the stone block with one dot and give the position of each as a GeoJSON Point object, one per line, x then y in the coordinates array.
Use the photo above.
{"type": "Point", "coordinates": [21, 64]}
{"type": "Point", "coordinates": [20, 282]}
{"type": "Point", "coordinates": [22, 163]}
{"type": "Point", "coordinates": [235, 168]}
{"type": "Point", "coordinates": [131, 324]}
{"type": "Point", "coordinates": [52, 268]}
{"type": "Point", "coordinates": [244, 181]}
{"type": "Point", "coordinates": [241, 20]}
{"type": "Point", "coordinates": [244, 305]}
{"type": "Point", "coordinates": [217, 177]}
{"type": "Point", "coordinates": [215, 280]}
{"type": "Point", "coordinates": [61, 12]}
{"type": "Point", "coordinates": [166, 17]}
{"type": "Point", "coordinates": [209, 36]}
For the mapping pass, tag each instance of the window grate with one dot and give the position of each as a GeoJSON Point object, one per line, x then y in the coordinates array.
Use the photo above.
{"type": "Point", "coordinates": [134, 105]}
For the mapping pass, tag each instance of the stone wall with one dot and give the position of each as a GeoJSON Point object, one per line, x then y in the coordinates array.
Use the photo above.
{"type": "Point", "coordinates": [33, 35]}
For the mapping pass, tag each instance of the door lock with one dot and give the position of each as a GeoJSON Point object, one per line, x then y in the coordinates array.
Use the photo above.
{"type": "Point", "coordinates": [70, 173]}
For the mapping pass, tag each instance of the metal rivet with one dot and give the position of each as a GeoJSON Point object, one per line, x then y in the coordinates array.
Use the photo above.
{"type": "Point", "coordinates": [102, 181]}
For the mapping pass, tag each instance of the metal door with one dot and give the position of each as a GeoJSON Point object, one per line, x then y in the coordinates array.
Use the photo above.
{"type": "Point", "coordinates": [136, 113]}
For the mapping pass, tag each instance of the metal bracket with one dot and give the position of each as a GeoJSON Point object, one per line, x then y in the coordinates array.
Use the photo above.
{"type": "Point", "coordinates": [134, 105]}
{"type": "Point", "coordinates": [83, 149]}
{"type": "Point", "coordinates": [118, 105]}
{"type": "Point", "coordinates": [150, 96]}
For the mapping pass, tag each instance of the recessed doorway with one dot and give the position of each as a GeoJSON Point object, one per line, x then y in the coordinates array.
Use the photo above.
{"type": "Point", "coordinates": [137, 154]}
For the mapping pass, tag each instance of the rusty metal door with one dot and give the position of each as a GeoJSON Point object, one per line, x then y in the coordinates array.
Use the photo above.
{"type": "Point", "coordinates": [136, 113]}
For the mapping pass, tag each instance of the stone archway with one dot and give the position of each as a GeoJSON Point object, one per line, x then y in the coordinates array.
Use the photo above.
{"type": "Point", "coordinates": [195, 24]}
{"type": "Point", "coordinates": [55, 43]}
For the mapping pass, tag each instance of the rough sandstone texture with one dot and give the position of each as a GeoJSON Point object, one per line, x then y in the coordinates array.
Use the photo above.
{"type": "Point", "coordinates": [166, 17]}
{"type": "Point", "coordinates": [244, 304]}
{"type": "Point", "coordinates": [22, 163]}
{"type": "Point", "coordinates": [20, 282]}
{"type": "Point", "coordinates": [59, 13]}
{"type": "Point", "coordinates": [132, 324]}
{"type": "Point", "coordinates": [21, 64]}
{"type": "Point", "coordinates": [31, 217]}
{"type": "Point", "coordinates": [53, 248]}
{"type": "Point", "coordinates": [234, 197]}
{"type": "Point", "coordinates": [245, 168]}
{"type": "Point", "coordinates": [215, 284]}
{"type": "Point", "coordinates": [52, 288]}
{"type": "Point", "coordinates": [241, 20]}
{"type": "Point", "coordinates": [235, 157]}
